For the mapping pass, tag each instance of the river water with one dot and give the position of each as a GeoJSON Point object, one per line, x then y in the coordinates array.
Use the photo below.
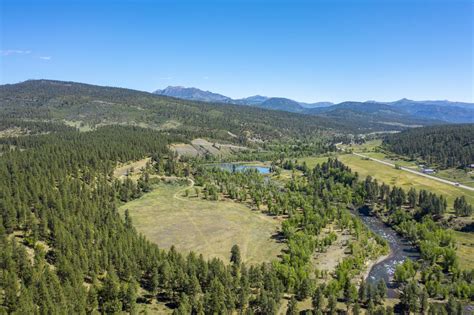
{"type": "Point", "coordinates": [400, 250]}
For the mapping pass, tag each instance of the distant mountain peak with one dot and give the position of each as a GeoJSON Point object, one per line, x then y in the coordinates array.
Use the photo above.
{"type": "Point", "coordinates": [194, 94]}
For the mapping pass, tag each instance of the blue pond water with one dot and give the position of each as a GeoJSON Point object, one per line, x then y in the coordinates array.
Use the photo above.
{"type": "Point", "coordinates": [231, 167]}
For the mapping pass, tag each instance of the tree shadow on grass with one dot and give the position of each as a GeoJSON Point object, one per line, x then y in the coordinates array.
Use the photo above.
{"type": "Point", "coordinates": [278, 237]}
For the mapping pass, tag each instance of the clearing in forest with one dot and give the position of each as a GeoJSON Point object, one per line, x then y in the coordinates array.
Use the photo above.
{"type": "Point", "coordinates": [210, 228]}
{"type": "Point", "coordinates": [130, 168]}
{"type": "Point", "coordinates": [202, 147]}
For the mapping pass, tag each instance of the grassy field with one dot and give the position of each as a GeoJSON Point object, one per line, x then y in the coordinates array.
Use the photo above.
{"type": "Point", "coordinates": [458, 175]}
{"type": "Point", "coordinates": [79, 125]}
{"type": "Point", "coordinates": [312, 161]}
{"type": "Point", "coordinates": [391, 176]}
{"type": "Point", "coordinates": [370, 149]}
{"type": "Point", "coordinates": [208, 227]}
{"type": "Point", "coordinates": [465, 251]}
{"type": "Point", "coordinates": [406, 180]}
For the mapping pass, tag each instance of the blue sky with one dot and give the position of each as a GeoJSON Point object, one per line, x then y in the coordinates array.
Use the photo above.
{"type": "Point", "coordinates": [305, 50]}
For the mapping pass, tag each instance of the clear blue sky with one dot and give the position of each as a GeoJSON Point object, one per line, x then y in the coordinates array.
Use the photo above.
{"type": "Point", "coordinates": [305, 50]}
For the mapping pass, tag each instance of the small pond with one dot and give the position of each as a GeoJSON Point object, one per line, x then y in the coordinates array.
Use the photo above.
{"type": "Point", "coordinates": [233, 167]}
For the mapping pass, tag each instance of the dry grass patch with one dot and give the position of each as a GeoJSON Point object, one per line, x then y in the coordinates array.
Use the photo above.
{"type": "Point", "coordinates": [13, 132]}
{"type": "Point", "coordinates": [208, 227]}
{"type": "Point", "coordinates": [202, 147]}
{"type": "Point", "coordinates": [82, 126]}
{"type": "Point", "coordinates": [130, 168]}
{"type": "Point", "coordinates": [329, 259]}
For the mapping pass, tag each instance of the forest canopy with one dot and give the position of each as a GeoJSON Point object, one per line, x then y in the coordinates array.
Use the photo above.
{"type": "Point", "coordinates": [445, 146]}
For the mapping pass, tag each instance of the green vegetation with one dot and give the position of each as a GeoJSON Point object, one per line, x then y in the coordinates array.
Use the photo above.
{"type": "Point", "coordinates": [462, 176]}
{"type": "Point", "coordinates": [88, 225]}
{"type": "Point", "coordinates": [443, 146]}
{"type": "Point", "coordinates": [391, 176]}
{"type": "Point", "coordinates": [65, 248]}
{"type": "Point", "coordinates": [26, 127]}
{"type": "Point", "coordinates": [90, 105]}
{"type": "Point", "coordinates": [307, 204]}
{"type": "Point", "coordinates": [415, 215]}
{"type": "Point", "coordinates": [374, 149]}
{"type": "Point", "coordinates": [465, 249]}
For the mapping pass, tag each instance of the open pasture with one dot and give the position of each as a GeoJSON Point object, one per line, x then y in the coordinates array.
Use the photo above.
{"type": "Point", "coordinates": [406, 180]}
{"type": "Point", "coordinates": [210, 228]}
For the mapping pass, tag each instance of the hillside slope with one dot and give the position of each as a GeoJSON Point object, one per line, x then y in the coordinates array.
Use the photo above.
{"type": "Point", "coordinates": [99, 105]}
{"type": "Point", "coordinates": [444, 146]}
{"type": "Point", "coordinates": [452, 112]}
{"type": "Point", "coordinates": [371, 113]}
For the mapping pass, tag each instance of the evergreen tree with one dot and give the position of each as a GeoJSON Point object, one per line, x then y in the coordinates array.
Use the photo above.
{"type": "Point", "coordinates": [235, 255]}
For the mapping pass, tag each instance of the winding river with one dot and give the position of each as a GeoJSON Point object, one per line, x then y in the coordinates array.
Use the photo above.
{"type": "Point", "coordinates": [400, 250]}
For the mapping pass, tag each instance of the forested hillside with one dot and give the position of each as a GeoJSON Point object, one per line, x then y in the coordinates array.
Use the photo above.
{"type": "Point", "coordinates": [60, 230]}
{"type": "Point", "coordinates": [65, 249]}
{"type": "Point", "coordinates": [445, 146]}
{"type": "Point", "coordinates": [95, 105]}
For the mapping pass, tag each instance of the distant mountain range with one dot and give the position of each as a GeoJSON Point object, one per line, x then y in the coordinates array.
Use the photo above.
{"type": "Point", "coordinates": [193, 94]}
{"type": "Point", "coordinates": [277, 103]}
{"type": "Point", "coordinates": [401, 113]}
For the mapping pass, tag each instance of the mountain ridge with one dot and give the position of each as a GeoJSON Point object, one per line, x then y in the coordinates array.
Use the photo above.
{"type": "Point", "coordinates": [92, 105]}
{"type": "Point", "coordinates": [82, 104]}
{"type": "Point", "coordinates": [400, 111]}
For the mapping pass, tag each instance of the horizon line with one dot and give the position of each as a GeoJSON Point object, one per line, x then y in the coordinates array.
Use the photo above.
{"type": "Point", "coordinates": [239, 98]}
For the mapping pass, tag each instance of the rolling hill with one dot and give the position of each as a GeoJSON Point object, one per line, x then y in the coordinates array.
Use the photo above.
{"type": "Point", "coordinates": [284, 104]}
{"type": "Point", "coordinates": [91, 105]}
{"type": "Point", "coordinates": [262, 118]}
{"type": "Point", "coordinates": [451, 112]}
{"type": "Point", "coordinates": [371, 113]}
